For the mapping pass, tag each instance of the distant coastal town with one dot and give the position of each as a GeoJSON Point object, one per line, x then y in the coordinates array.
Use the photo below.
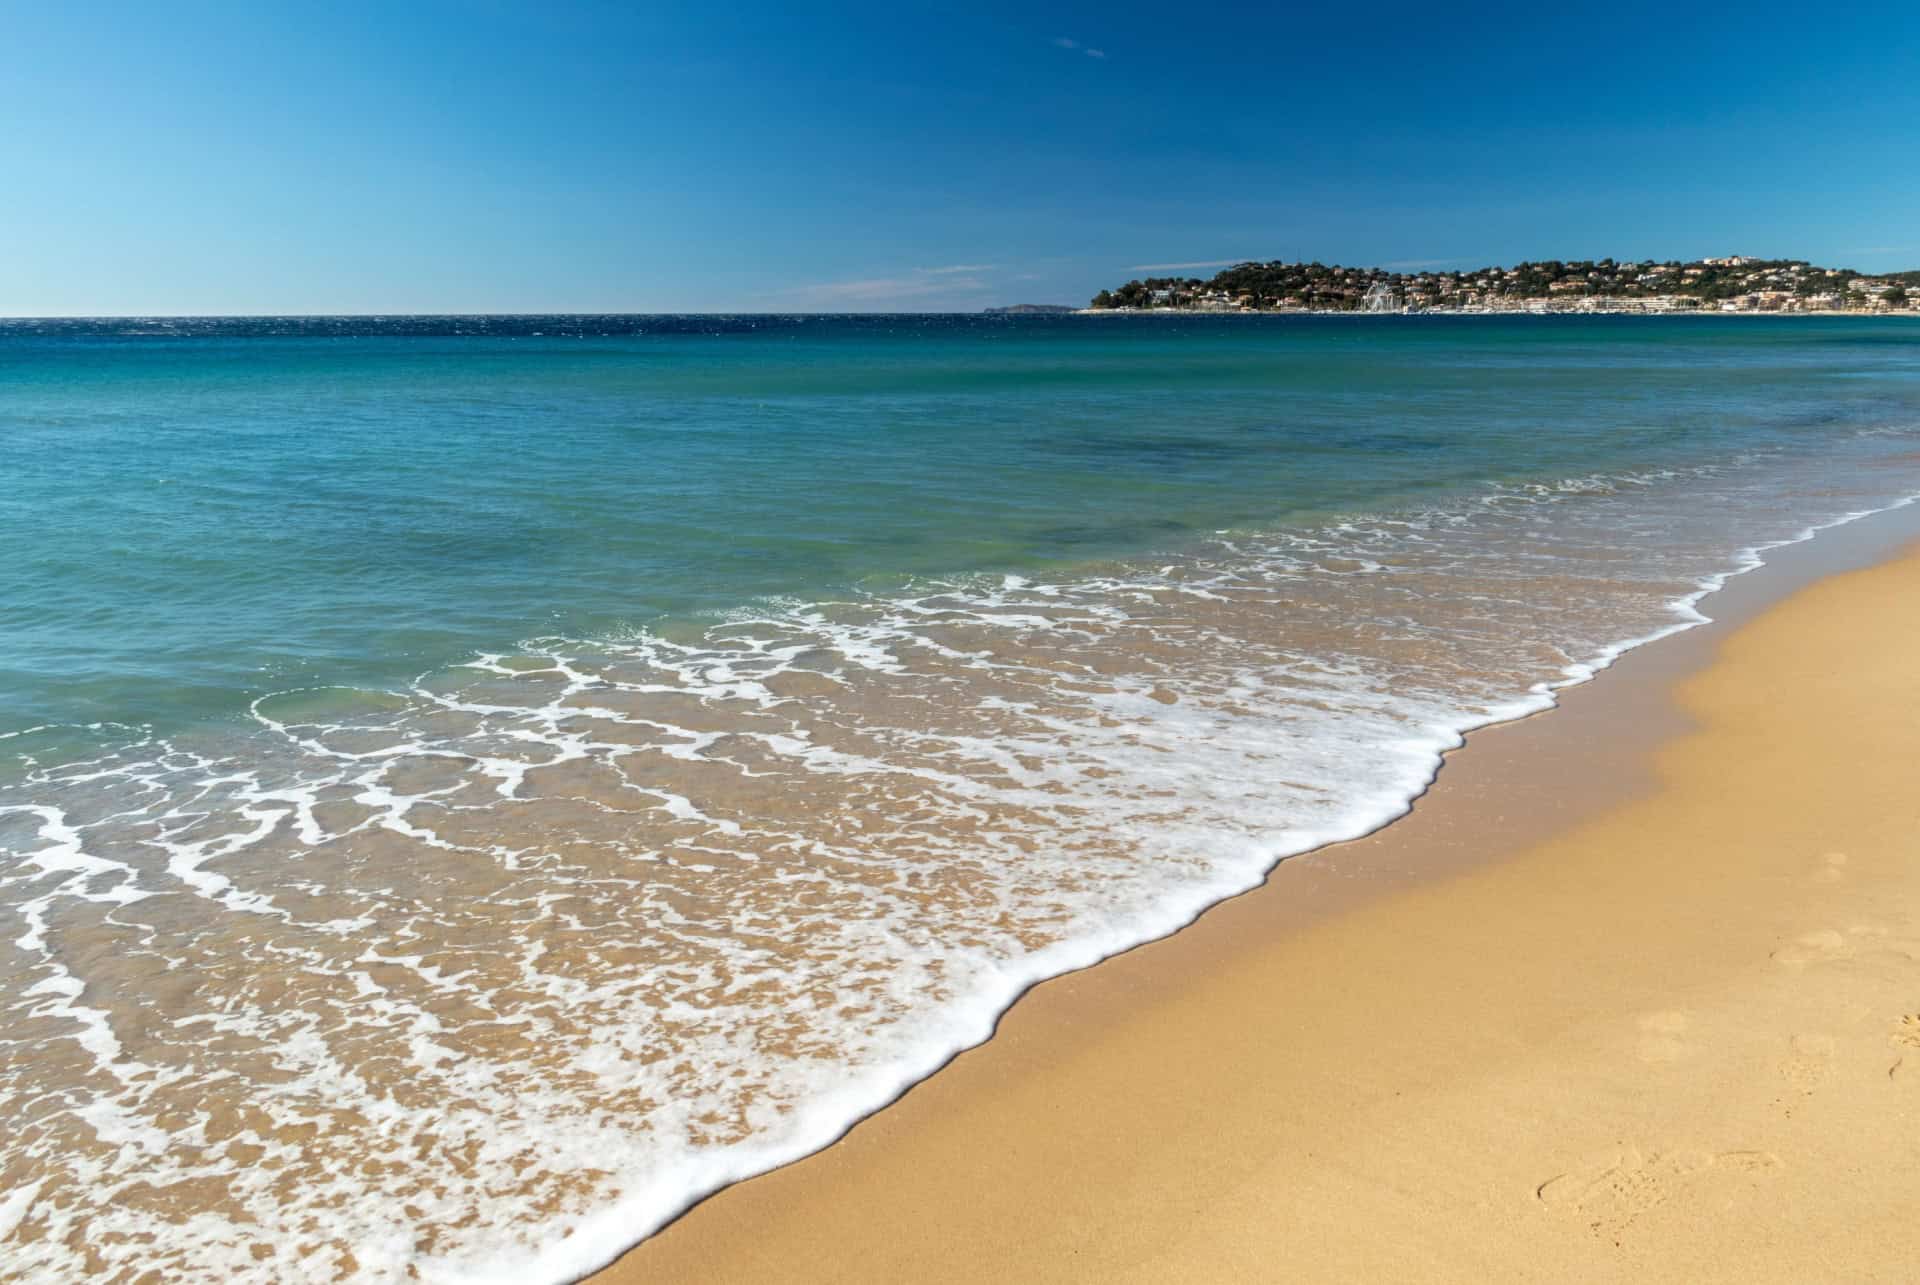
{"type": "Point", "coordinates": [1736, 283]}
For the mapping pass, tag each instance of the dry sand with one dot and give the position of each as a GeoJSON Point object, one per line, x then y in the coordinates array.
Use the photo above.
{"type": "Point", "coordinates": [1633, 994]}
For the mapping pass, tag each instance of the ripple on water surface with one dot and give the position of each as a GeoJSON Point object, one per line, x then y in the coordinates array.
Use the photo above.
{"type": "Point", "coordinates": [492, 971]}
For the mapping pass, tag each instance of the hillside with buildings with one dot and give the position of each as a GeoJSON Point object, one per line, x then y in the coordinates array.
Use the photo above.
{"type": "Point", "coordinates": [1733, 284]}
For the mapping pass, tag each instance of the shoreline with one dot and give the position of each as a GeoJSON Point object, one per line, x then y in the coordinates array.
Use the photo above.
{"type": "Point", "coordinates": [1444, 840]}
{"type": "Point", "coordinates": [682, 905]}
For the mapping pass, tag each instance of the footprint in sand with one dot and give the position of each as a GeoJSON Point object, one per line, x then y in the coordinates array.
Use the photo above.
{"type": "Point", "coordinates": [1813, 948]}
{"type": "Point", "coordinates": [1613, 1192]}
{"type": "Point", "coordinates": [1660, 1036]}
{"type": "Point", "coordinates": [1809, 1063]}
{"type": "Point", "coordinates": [1860, 941]}
{"type": "Point", "coordinates": [1881, 946]}
{"type": "Point", "coordinates": [1831, 869]}
{"type": "Point", "coordinates": [1906, 1037]}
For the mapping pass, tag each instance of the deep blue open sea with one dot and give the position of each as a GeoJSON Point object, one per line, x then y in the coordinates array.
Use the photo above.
{"type": "Point", "coordinates": [470, 786]}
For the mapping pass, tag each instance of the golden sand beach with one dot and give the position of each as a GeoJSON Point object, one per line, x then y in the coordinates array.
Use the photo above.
{"type": "Point", "coordinates": [1660, 1026]}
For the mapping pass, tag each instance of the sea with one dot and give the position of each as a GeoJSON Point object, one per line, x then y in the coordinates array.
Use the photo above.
{"type": "Point", "coordinates": [472, 786]}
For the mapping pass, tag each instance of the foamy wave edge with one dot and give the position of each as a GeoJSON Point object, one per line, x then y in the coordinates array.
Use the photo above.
{"type": "Point", "coordinates": [590, 1243]}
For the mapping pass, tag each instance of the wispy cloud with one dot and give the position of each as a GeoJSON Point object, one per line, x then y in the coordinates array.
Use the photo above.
{"type": "Point", "coordinates": [1096, 53]}
{"type": "Point", "coordinates": [1068, 42]}
{"type": "Point", "coordinates": [919, 283]}
{"type": "Point", "coordinates": [1200, 263]}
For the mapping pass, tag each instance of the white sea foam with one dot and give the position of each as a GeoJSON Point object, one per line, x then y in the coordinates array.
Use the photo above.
{"type": "Point", "coordinates": [488, 977]}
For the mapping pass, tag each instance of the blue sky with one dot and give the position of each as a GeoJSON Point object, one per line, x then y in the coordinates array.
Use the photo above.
{"type": "Point", "coordinates": [574, 155]}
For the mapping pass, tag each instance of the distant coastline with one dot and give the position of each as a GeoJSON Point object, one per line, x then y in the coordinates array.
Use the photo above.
{"type": "Point", "coordinates": [1734, 284]}
{"type": "Point", "coordinates": [1605, 308]}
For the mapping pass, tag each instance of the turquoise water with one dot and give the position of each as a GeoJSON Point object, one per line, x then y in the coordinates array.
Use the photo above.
{"type": "Point", "coordinates": [469, 788]}
{"type": "Point", "coordinates": [196, 513]}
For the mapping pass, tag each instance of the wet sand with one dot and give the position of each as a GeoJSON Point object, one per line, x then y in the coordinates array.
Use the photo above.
{"type": "Point", "coordinates": [1633, 993]}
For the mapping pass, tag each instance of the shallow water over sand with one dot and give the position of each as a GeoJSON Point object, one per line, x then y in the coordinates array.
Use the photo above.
{"type": "Point", "coordinates": [488, 968]}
